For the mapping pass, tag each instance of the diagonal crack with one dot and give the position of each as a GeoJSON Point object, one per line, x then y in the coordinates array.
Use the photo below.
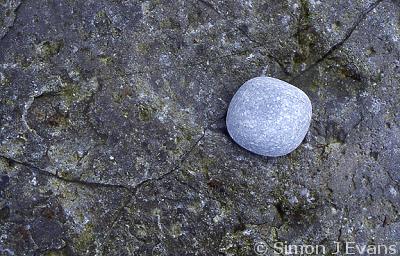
{"type": "Point", "coordinates": [130, 190]}
{"type": "Point", "coordinates": [209, 6]}
{"type": "Point", "coordinates": [183, 159]}
{"type": "Point", "coordinates": [339, 44]}
{"type": "Point", "coordinates": [117, 217]}
{"type": "Point", "coordinates": [134, 190]}
{"type": "Point", "coordinates": [13, 22]}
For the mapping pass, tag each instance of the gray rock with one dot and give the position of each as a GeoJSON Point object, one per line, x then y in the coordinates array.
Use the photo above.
{"type": "Point", "coordinates": [112, 142]}
{"type": "Point", "coordinates": [268, 116]}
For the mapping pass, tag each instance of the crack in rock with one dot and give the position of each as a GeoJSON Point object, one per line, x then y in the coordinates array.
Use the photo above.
{"type": "Point", "coordinates": [8, 29]}
{"type": "Point", "coordinates": [52, 175]}
{"type": "Point", "coordinates": [133, 189]}
{"type": "Point", "coordinates": [339, 44]}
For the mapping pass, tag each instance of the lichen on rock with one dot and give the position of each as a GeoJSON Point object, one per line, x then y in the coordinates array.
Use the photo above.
{"type": "Point", "coordinates": [113, 138]}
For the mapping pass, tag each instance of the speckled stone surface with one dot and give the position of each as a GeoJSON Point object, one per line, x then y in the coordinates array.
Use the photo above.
{"type": "Point", "coordinates": [268, 116]}
{"type": "Point", "coordinates": [113, 136]}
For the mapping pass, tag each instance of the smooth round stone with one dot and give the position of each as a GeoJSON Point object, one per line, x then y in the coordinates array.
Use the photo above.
{"type": "Point", "coordinates": [268, 116]}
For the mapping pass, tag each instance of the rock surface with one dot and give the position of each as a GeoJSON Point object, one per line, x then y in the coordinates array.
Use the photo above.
{"type": "Point", "coordinates": [113, 140]}
{"type": "Point", "coordinates": [268, 116]}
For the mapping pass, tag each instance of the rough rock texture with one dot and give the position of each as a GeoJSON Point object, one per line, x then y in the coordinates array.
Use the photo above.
{"type": "Point", "coordinates": [113, 142]}
{"type": "Point", "coordinates": [268, 116]}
